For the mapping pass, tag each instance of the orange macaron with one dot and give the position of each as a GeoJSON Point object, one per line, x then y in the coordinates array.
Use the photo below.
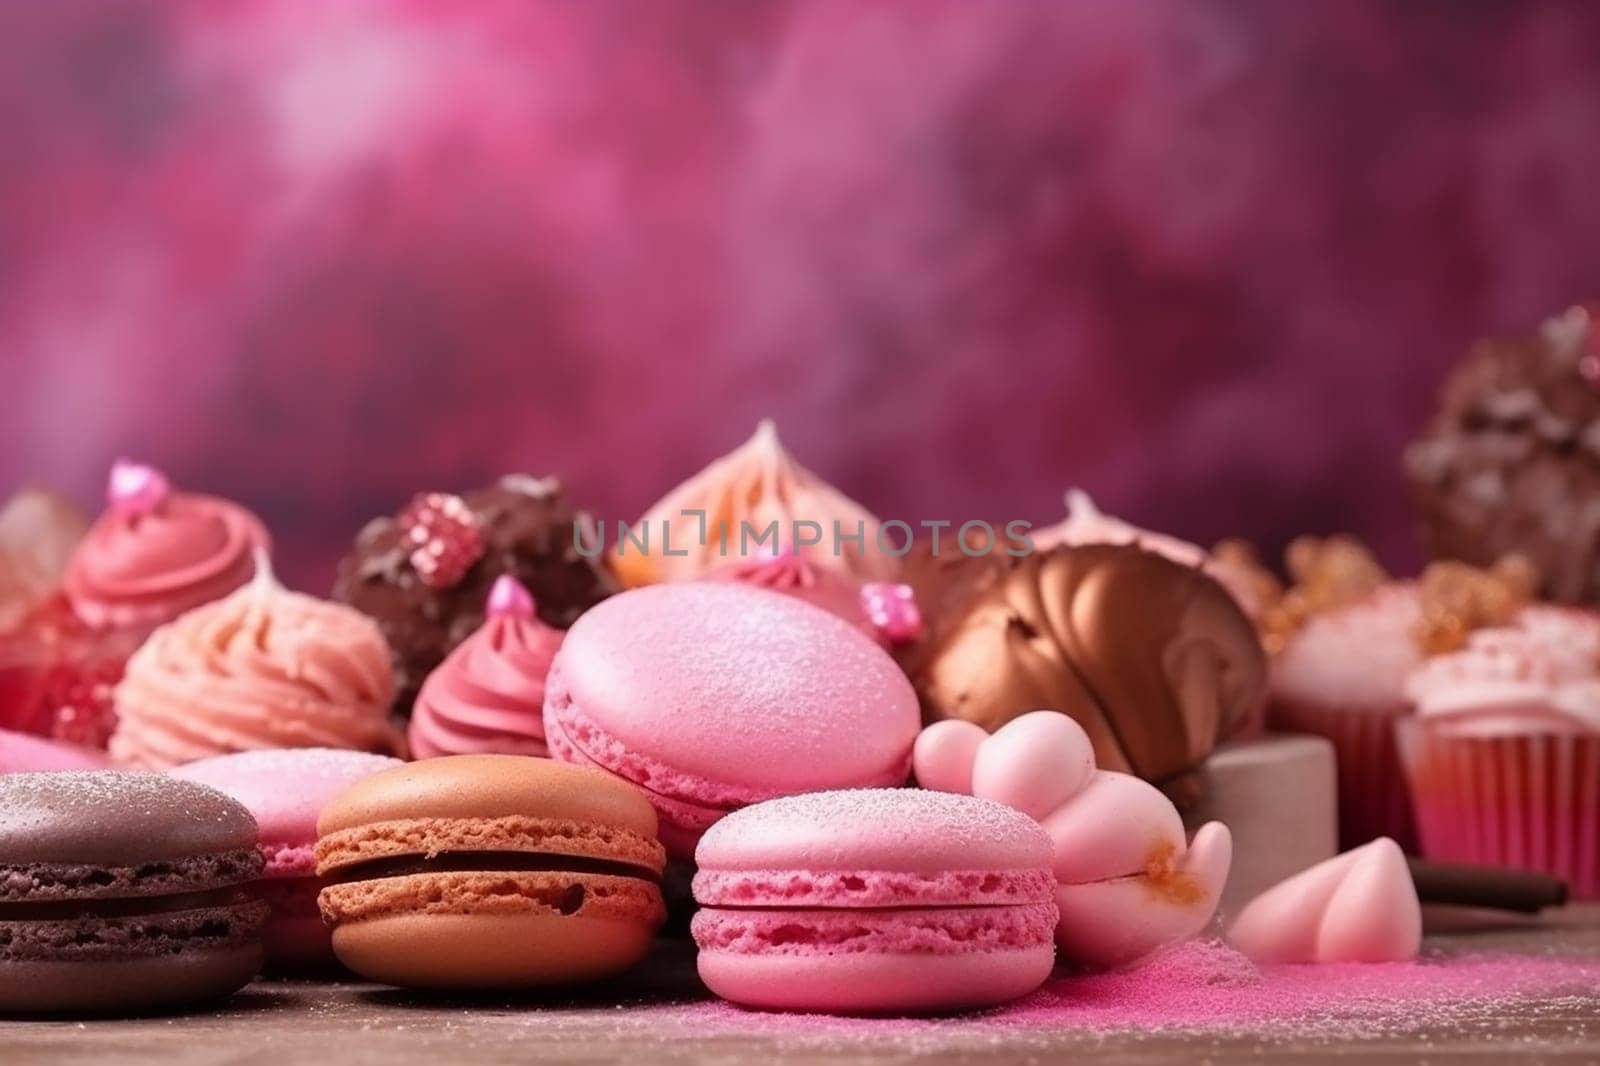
{"type": "Point", "coordinates": [490, 871]}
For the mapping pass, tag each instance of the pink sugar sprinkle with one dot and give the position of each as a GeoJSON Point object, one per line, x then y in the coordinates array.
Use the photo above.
{"type": "Point", "coordinates": [1207, 987]}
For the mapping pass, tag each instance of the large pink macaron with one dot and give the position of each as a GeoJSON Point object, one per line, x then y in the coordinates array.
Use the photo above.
{"type": "Point", "coordinates": [712, 696]}
{"type": "Point", "coordinates": [875, 901]}
{"type": "Point", "coordinates": [24, 753]}
{"type": "Point", "coordinates": [286, 789]}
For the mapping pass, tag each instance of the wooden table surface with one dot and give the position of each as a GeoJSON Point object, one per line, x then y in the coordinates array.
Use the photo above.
{"type": "Point", "coordinates": [283, 1021]}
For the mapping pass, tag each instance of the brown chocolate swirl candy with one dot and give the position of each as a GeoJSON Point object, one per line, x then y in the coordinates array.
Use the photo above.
{"type": "Point", "coordinates": [1154, 659]}
{"type": "Point", "coordinates": [526, 529]}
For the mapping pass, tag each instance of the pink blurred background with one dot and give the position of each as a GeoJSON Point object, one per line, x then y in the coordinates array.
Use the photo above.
{"type": "Point", "coordinates": [1208, 260]}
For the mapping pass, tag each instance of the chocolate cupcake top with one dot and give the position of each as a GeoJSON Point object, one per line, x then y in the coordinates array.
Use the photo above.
{"type": "Point", "coordinates": [424, 575]}
{"type": "Point", "coordinates": [1511, 460]}
{"type": "Point", "coordinates": [1153, 658]}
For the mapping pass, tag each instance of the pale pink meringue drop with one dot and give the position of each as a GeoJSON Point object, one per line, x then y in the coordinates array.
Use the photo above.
{"type": "Point", "coordinates": [509, 599]}
{"type": "Point", "coordinates": [891, 609]}
{"type": "Point", "coordinates": [1128, 883]}
{"type": "Point", "coordinates": [136, 489]}
{"type": "Point", "coordinates": [1035, 763]}
{"type": "Point", "coordinates": [487, 697]}
{"type": "Point", "coordinates": [943, 755]}
{"type": "Point", "coordinates": [1357, 907]}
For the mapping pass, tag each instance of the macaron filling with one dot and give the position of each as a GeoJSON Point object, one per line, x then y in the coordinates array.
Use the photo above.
{"type": "Point", "coordinates": [486, 862]}
{"type": "Point", "coordinates": [86, 911]}
{"type": "Point", "coordinates": [922, 931]}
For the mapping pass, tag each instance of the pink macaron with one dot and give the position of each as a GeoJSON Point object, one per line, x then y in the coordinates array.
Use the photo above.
{"type": "Point", "coordinates": [711, 696]}
{"type": "Point", "coordinates": [24, 753]}
{"type": "Point", "coordinates": [875, 901]}
{"type": "Point", "coordinates": [286, 789]}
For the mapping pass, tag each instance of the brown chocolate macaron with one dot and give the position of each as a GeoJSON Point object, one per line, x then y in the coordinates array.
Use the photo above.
{"type": "Point", "coordinates": [1154, 659]}
{"type": "Point", "coordinates": [490, 871]}
{"type": "Point", "coordinates": [123, 893]}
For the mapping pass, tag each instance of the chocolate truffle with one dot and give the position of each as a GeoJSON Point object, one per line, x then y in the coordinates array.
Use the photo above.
{"type": "Point", "coordinates": [520, 525]}
{"type": "Point", "coordinates": [1153, 658]}
{"type": "Point", "coordinates": [1511, 461]}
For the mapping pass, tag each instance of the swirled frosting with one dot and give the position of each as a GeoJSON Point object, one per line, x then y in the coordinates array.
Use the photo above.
{"type": "Point", "coordinates": [262, 668]}
{"type": "Point", "coordinates": [1539, 675]}
{"type": "Point", "coordinates": [155, 553]}
{"type": "Point", "coordinates": [487, 697]}
{"type": "Point", "coordinates": [758, 483]}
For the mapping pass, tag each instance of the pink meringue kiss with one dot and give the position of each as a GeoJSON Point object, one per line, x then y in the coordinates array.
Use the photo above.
{"type": "Point", "coordinates": [1357, 907]}
{"type": "Point", "coordinates": [783, 569]}
{"type": "Point", "coordinates": [487, 697]}
{"type": "Point", "coordinates": [156, 553]}
{"type": "Point", "coordinates": [1127, 882]}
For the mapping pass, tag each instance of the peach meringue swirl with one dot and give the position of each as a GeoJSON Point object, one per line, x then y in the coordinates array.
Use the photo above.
{"type": "Point", "coordinates": [696, 528]}
{"type": "Point", "coordinates": [156, 553]}
{"type": "Point", "coordinates": [261, 668]}
{"type": "Point", "coordinates": [487, 697]}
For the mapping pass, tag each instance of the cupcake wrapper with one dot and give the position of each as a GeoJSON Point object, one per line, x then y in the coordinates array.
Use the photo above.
{"type": "Point", "coordinates": [1524, 802]}
{"type": "Point", "coordinates": [1373, 798]}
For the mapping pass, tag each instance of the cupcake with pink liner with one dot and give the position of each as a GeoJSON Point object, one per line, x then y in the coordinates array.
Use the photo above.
{"type": "Point", "coordinates": [487, 697]}
{"type": "Point", "coordinates": [261, 668]}
{"type": "Point", "coordinates": [1503, 755]}
{"type": "Point", "coordinates": [1343, 676]}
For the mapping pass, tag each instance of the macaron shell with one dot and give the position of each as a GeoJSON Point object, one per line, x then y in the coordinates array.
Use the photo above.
{"type": "Point", "coordinates": [295, 935]}
{"type": "Point", "coordinates": [876, 983]}
{"type": "Point", "coordinates": [113, 818]}
{"type": "Point", "coordinates": [285, 790]}
{"type": "Point", "coordinates": [925, 931]}
{"type": "Point", "coordinates": [468, 931]}
{"type": "Point", "coordinates": [513, 833]}
{"type": "Point", "coordinates": [872, 888]}
{"type": "Point", "coordinates": [487, 786]}
{"type": "Point", "coordinates": [126, 986]}
{"type": "Point", "coordinates": [22, 753]}
{"type": "Point", "coordinates": [910, 830]}
{"type": "Point", "coordinates": [741, 686]}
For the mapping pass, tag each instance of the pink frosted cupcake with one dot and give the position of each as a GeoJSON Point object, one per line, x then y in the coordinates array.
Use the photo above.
{"type": "Point", "coordinates": [487, 697]}
{"type": "Point", "coordinates": [1342, 675]}
{"type": "Point", "coordinates": [1503, 755]}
